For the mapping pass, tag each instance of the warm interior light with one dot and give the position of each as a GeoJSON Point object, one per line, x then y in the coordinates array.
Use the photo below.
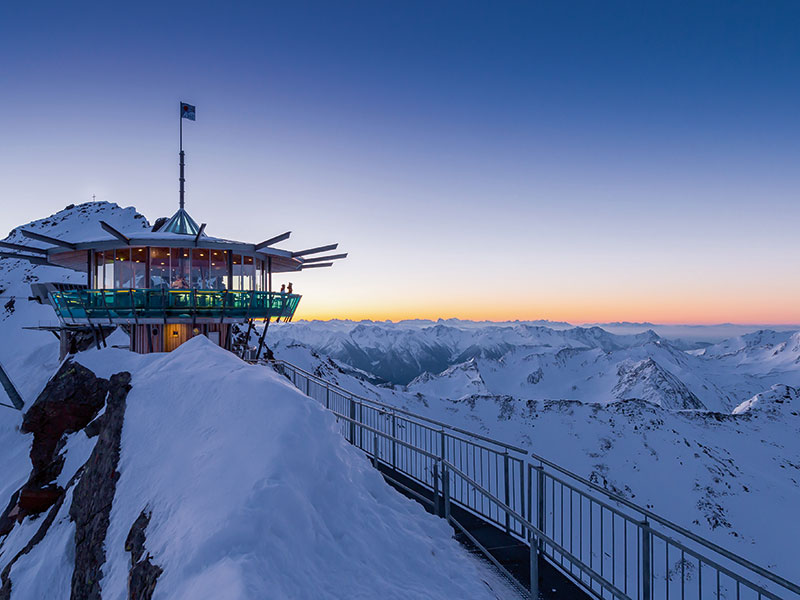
{"type": "Point", "coordinates": [174, 334]}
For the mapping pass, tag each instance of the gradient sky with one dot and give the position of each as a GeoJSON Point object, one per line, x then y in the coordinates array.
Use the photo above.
{"type": "Point", "coordinates": [580, 161]}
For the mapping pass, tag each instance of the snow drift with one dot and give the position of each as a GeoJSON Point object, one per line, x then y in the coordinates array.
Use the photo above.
{"type": "Point", "coordinates": [248, 491]}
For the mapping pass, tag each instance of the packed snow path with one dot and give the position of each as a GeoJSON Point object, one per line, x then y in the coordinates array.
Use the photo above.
{"type": "Point", "coordinates": [606, 545]}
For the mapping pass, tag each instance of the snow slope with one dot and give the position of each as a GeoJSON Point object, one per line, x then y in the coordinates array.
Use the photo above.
{"type": "Point", "coordinates": [253, 494]}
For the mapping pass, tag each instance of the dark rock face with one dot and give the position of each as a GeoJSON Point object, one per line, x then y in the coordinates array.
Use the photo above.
{"type": "Point", "coordinates": [94, 494]}
{"type": "Point", "coordinates": [69, 401]}
{"type": "Point", "coordinates": [143, 575]}
{"type": "Point", "coordinates": [5, 580]}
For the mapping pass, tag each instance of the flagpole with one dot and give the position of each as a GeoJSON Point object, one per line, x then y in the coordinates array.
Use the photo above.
{"type": "Point", "coordinates": [180, 118]}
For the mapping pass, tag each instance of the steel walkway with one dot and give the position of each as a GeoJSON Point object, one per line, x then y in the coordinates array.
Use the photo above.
{"type": "Point", "coordinates": [541, 525]}
{"type": "Point", "coordinates": [11, 391]}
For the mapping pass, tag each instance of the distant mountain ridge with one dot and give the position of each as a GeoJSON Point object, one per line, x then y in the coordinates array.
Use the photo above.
{"type": "Point", "coordinates": [588, 364]}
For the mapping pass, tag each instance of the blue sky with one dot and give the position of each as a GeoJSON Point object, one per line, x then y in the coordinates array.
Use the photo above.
{"type": "Point", "coordinates": [582, 161]}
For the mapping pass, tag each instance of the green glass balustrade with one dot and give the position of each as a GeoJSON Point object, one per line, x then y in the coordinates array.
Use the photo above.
{"type": "Point", "coordinates": [129, 305]}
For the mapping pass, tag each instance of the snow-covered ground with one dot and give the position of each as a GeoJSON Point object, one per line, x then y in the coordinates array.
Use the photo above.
{"type": "Point", "coordinates": [252, 494]}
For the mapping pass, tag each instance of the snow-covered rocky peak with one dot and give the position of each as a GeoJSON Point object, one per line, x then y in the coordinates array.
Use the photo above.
{"type": "Point", "coordinates": [647, 380]}
{"type": "Point", "coordinates": [456, 381]}
{"type": "Point", "coordinates": [79, 222]}
{"type": "Point", "coordinates": [776, 401]}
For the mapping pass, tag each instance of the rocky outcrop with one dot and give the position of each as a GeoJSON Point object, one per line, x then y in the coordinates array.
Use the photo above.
{"type": "Point", "coordinates": [94, 494]}
{"type": "Point", "coordinates": [143, 574]}
{"type": "Point", "coordinates": [5, 579]}
{"type": "Point", "coordinates": [69, 401]}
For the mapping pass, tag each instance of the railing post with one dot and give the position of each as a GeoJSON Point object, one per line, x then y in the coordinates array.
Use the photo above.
{"type": "Point", "coordinates": [530, 492]}
{"type": "Point", "coordinates": [375, 450]}
{"type": "Point", "coordinates": [394, 440]}
{"type": "Point", "coordinates": [443, 448]}
{"type": "Point", "coordinates": [647, 592]}
{"type": "Point", "coordinates": [522, 492]}
{"type": "Point", "coordinates": [436, 489]}
{"type": "Point", "coordinates": [327, 397]}
{"type": "Point", "coordinates": [352, 421]}
{"type": "Point", "coordinates": [507, 489]}
{"type": "Point", "coordinates": [534, 566]}
{"type": "Point", "coordinates": [446, 491]}
{"type": "Point", "coordinates": [540, 499]}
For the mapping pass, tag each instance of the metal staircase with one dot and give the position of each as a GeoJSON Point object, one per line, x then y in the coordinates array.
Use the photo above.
{"type": "Point", "coordinates": [578, 536]}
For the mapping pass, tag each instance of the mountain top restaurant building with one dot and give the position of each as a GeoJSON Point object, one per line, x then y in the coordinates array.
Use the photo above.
{"type": "Point", "coordinates": [168, 285]}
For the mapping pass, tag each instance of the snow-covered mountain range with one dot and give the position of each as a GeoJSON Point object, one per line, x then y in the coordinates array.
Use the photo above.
{"type": "Point", "coordinates": [545, 363]}
{"type": "Point", "coordinates": [704, 430]}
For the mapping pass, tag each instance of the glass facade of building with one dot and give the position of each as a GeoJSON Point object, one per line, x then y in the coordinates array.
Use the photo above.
{"type": "Point", "coordinates": [178, 268]}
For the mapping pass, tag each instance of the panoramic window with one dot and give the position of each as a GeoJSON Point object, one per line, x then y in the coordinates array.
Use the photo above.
{"type": "Point", "coordinates": [179, 268]}
{"type": "Point", "coordinates": [108, 269]}
{"type": "Point", "coordinates": [259, 274]}
{"type": "Point", "coordinates": [98, 270]}
{"type": "Point", "coordinates": [139, 267]}
{"type": "Point", "coordinates": [248, 272]}
{"type": "Point", "coordinates": [159, 267]}
{"type": "Point", "coordinates": [200, 261]}
{"type": "Point", "coordinates": [123, 276]}
{"type": "Point", "coordinates": [237, 272]}
{"type": "Point", "coordinates": [218, 270]}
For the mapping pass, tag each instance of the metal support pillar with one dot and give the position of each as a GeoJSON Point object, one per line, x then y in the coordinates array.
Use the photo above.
{"type": "Point", "coordinates": [507, 489]}
{"type": "Point", "coordinates": [437, 509]}
{"type": "Point", "coordinates": [540, 498]}
{"type": "Point", "coordinates": [352, 421]}
{"type": "Point", "coordinates": [446, 491]}
{"type": "Point", "coordinates": [263, 336]}
{"type": "Point", "coordinates": [647, 591]}
{"type": "Point", "coordinates": [534, 558]}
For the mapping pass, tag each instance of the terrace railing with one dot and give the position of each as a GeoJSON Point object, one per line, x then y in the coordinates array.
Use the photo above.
{"type": "Point", "coordinates": [606, 544]}
{"type": "Point", "coordinates": [158, 305]}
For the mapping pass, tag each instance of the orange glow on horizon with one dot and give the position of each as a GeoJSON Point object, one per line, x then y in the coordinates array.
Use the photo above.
{"type": "Point", "coordinates": [664, 311]}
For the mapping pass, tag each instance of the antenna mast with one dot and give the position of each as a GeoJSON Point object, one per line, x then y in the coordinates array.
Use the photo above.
{"type": "Point", "coordinates": [181, 179]}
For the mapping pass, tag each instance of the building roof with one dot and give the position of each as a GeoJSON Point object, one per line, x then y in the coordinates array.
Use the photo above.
{"type": "Point", "coordinates": [181, 223]}
{"type": "Point", "coordinates": [181, 231]}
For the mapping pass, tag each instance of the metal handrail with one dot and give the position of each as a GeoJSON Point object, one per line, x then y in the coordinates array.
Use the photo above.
{"type": "Point", "coordinates": [740, 561]}
{"type": "Point", "coordinates": [535, 530]}
{"type": "Point", "coordinates": [391, 408]}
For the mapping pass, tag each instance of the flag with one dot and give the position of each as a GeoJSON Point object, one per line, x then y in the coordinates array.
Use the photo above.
{"type": "Point", "coordinates": [187, 111]}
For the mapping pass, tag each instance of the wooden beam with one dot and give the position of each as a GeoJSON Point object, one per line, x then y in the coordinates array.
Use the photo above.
{"type": "Point", "coordinates": [273, 240]}
{"type": "Point", "coordinates": [11, 246]}
{"type": "Point", "coordinates": [36, 260]}
{"type": "Point", "coordinates": [116, 233]}
{"type": "Point", "coordinates": [199, 233]}
{"type": "Point", "coordinates": [315, 266]}
{"type": "Point", "coordinates": [315, 250]}
{"type": "Point", "coordinates": [48, 240]}
{"type": "Point", "coordinates": [324, 258]}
